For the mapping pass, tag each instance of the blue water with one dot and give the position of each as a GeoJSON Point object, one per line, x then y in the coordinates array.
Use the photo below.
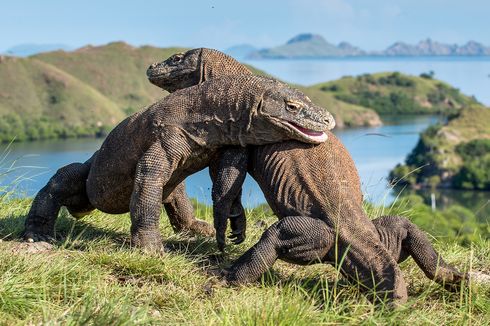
{"type": "Point", "coordinates": [470, 74]}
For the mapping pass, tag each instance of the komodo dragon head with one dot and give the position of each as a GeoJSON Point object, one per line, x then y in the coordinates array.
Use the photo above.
{"type": "Point", "coordinates": [193, 67]}
{"type": "Point", "coordinates": [286, 108]}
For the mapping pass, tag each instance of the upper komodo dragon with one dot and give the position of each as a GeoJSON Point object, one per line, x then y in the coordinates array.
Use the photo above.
{"type": "Point", "coordinates": [149, 153]}
{"type": "Point", "coordinates": [301, 181]}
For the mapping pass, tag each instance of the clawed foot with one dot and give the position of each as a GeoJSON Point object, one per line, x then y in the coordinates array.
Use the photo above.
{"type": "Point", "coordinates": [201, 228]}
{"type": "Point", "coordinates": [35, 232]}
{"type": "Point", "coordinates": [149, 242]}
{"type": "Point", "coordinates": [34, 237]}
{"type": "Point", "coordinates": [236, 237]}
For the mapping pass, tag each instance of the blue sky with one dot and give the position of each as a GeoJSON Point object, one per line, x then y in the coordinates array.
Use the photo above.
{"type": "Point", "coordinates": [370, 24]}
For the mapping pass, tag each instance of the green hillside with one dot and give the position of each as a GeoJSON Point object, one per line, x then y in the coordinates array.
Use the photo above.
{"type": "Point", "coordinates": [117, 70]}
{"type": "Point", "coordinates": [396, 93]}
{"type": "Point", "coordinates": [456, 155]}
{"type": "Point", "coordinates": [87, 91]}
{"type": "Point", "coordinates": [38, 100]}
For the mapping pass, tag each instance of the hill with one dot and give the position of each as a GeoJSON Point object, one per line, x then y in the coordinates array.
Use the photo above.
{"type": "Point", "coordinates": [454, 155]}
{"type": "Point", "coordinates": [396, 93]}
{"type": "Point", "coordinates": [429, 47]}
{"type": "Point", "coordinates": [307, 46]}
{"type": "Point", "coordinates": [87, 91]}
{"type": "Point", "coordinates": [38, 100]}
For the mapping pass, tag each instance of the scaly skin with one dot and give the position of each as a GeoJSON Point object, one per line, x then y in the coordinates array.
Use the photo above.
{"type": "Point", "coordinates": [316, 190]}
{"type": "Point", "coordinates": [148, 154]}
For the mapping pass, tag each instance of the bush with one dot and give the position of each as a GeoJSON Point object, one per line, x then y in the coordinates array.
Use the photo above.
{"type": "Point", "coordinates": [475, 172]}
{"type": "Point", "coordinates": [396, 79]}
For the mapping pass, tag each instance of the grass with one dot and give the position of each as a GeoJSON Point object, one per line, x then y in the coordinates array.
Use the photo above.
{"type": "Point", "coordinates": [92, 276]}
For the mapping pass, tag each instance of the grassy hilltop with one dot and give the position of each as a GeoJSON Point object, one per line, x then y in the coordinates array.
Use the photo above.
{"type": "Point", "coordinates": [396, 93]}
{"type": "Point", "coordinates": [93, 277]}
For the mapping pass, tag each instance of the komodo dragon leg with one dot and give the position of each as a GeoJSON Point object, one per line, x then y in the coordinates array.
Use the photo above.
{"type": "Point", "coordinates": [403, 239]}
{"type": "Point", "coordinates": [152, 172]}
{"type": "Point", "coordinates": [296, 239]}
{"type": "Point", "coordinates": [304, 240]}
{"type": "Point", "coordinates": [228, 173]}
{"type": "Point", "coordinates": [181, 213]}
{"type": "Point", "coordinates": [65, 188]}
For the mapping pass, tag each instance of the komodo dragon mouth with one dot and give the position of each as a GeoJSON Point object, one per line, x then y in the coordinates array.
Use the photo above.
{"type": "Point", "coordinates": [304, 134]}
{"type": "Point", "coordinates": [313, 135]}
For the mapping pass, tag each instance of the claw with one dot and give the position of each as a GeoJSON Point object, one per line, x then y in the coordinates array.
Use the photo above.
{"type": "Point", "coordinates": [238, 240]}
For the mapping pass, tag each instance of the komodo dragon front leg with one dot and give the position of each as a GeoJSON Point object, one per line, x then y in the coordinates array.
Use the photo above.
{"type": "Point", "coordinates": [403, 239]}
{"type": "Point", "coordinates": [228, 174]}
{"type": "Point", "coordinates": [153, 171]}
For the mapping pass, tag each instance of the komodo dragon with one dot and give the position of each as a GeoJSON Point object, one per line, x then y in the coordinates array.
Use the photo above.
{"type": "Point", "coordinates": [149, 153]}
{"type": "Point", "coordinates": [301, 181]}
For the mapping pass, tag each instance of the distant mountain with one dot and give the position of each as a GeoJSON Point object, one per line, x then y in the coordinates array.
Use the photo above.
{"type": "Point", "coordinates": [27, 49]}
{"type": "Point", "coordinates": [307, 46]}
{"type": "Point", "coordinates": [315, 46]}
{"type": "Point", "coordinates": [240, 51]}
{"type": "Point", "coordinates": [429, 47]}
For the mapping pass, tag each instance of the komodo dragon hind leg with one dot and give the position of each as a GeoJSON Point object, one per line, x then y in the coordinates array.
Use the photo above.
{"type": "Point", "coordinates": [404, 239]}
{"type": "Point", "coordinates": [181, 214]}
{"type": "Point", "coordinates": [295, 239]}
{"type": "Point", "coordinates": [305, 240]}
{"type": "Point", "coordinates": [65, 188]}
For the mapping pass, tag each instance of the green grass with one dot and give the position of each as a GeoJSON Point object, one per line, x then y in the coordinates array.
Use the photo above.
{"type": "Point", "coordinates": [92, 276]}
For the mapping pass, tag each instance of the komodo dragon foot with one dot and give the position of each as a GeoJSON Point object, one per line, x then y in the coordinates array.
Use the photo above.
{"type": "Point", "coordinates": [65, 188]}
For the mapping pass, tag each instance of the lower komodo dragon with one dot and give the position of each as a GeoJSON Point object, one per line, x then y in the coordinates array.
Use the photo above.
{"type": "Point", "coordinates": [149, 153]}
{"type": "Point", "coordinates": [301, 181]}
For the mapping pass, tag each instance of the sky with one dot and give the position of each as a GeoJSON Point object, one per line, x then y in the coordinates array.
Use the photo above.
{"type": "Point", "coordinates": [369, 24]}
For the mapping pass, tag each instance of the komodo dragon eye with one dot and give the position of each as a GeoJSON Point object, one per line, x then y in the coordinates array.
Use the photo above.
{"type": "Point", "coordinates": [177, 58]}
{"type": "Point", "coordinates": [293, 107]}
